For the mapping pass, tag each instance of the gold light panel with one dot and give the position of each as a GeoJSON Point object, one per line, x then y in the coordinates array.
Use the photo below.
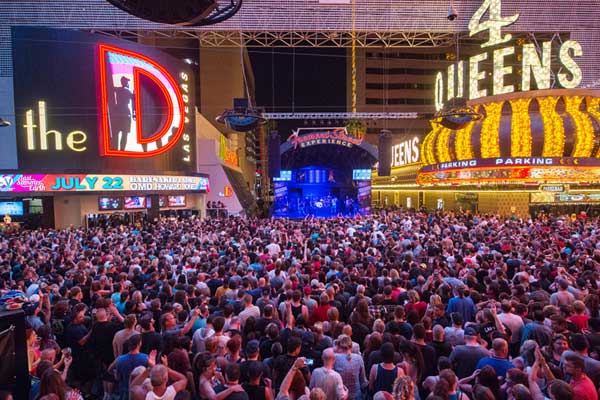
{"type": "Point", "coordinates": [490, 142]}
{"type": "Point", "coordinates": [427, 146]}
{"type": "Point", "coordinates": [554, 130]}
{"type": "Point", "coordinates": [443, 145]}
{"type": "Point", "coordinates": [584, 130]}
{"type": "Point", "coordinates": [520, 133]}
{"type": "Point", "coordinates": [593, 108]}
{"type": "Point", "coordinates": [462, 141]}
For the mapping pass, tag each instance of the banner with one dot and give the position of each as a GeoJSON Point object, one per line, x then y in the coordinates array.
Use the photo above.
{"type": "Point", "coordinates": [26, 183]}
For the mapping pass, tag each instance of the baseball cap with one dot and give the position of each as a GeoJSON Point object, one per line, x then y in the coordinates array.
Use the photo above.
{"type": "Point", "coordinates": [471, 331]}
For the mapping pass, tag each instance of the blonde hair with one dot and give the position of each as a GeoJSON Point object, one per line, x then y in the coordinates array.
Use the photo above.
{"type": "Point", "coordinates": [404, 388]}
{"type": "Point", "coordinates": [413, 296]}
{"type": "Point", "coordinates": [435, 299]}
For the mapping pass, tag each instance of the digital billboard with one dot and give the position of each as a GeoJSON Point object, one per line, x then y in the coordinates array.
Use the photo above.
{"type": "Point", "coordinates": [92, 103]}
{"type": "Point", "coordinates": [135, 203]}
{"type": "Point", "coordinates": [11, 208]}
{"type": "Point", "coordinates": [110, 203]}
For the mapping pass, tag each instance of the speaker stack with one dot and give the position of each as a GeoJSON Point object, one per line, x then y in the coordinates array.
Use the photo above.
{"type": "Point", "coordinates": [274, 155]}
{"type": "Point", "coordinates": [385, 153]}
{"type": "Point", "coordinates": [14, 371]}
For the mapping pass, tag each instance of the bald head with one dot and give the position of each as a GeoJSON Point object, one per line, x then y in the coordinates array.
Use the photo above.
{"type": "Point", "coordinates": [328, 358]}
{"type": "Point", "coordinates": [158, 375]}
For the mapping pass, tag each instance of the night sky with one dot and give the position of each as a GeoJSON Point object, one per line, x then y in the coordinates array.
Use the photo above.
{"type": "Point", "coordinates": [318, 83]}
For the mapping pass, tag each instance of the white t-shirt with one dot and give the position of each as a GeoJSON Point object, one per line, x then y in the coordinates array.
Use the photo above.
{"type": "Point", "coordinates": [168, 395]}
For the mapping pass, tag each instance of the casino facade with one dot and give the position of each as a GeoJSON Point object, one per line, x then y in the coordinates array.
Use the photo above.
{"type": "Point", "coordinates": [524, 137]}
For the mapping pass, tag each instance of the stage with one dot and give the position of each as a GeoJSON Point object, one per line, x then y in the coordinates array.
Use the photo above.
{"type": "Point", "coordinates": [326, 173]}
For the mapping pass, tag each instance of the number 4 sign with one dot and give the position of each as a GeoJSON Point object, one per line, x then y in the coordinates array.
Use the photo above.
{"type": "Point", "coordinates": [494, 23]}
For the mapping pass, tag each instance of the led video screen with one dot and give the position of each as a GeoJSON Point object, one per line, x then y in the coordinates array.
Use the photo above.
{"type": "Point", "coordinates": [110, 203]}
{"type": "Point", "coordinates": [91, 103]}
{"type": "Point", "coordinates": [11, 208]}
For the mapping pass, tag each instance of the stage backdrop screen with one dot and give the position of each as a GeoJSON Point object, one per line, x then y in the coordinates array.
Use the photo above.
{"type": "Point", "coordinates": [92, 103]}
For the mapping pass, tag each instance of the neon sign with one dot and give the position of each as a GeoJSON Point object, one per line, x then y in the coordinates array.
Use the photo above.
{"type": "Point", "coordinates": [405, 153]}
{"type": "Point", "coordinates": [122, 132]}
{"type": "Point", "coordinates": [75, 140]}
{"type": "Point", "coordinates": [533, 67]}
{"type": "Point", "coordinates": [315, 136]}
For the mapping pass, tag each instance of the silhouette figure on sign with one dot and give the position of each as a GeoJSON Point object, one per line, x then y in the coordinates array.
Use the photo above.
{"type": "Point", "coordinates": [122, 115]}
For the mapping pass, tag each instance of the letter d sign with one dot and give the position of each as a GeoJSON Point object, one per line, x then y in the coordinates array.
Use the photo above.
{"type": "Point", "coordinates": [122, 75]}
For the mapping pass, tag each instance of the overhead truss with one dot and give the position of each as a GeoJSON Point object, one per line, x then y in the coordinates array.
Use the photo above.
{"type": "Point", "coordinates": [342, 115]}
{"type": "Point", "coordinates": [389, 39]}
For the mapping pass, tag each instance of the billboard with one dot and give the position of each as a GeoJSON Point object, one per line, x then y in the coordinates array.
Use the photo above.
{"type": "Point", "coordinates": [91, 103]}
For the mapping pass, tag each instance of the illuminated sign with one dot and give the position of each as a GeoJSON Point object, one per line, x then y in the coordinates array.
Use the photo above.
{"type": "Point", "coordinates": [20, 183]}
{"type": "Point", "coordinates": [285, 175]}
{"type": "Point", "coordinates": [361, 174]}
{"type": "Point", "coordinates": [100, 105]}
{"type": "Point", "coordinates": [405, 153]}
{"type": "Point", "coordinates": [228, 156]}
{"type": "Point", "coordinates": [74, 140]}
{"type": "Point", "coordinates": [227, 192]}
{"type": "Point", "coordinates": [532, 64]}
{"type": "Point", "coordinates": [121, 74]}
{"type": "Point", "coordinates": [305, 137]}
{"type": "Point", "coordinates": [553, 188]}
{"type": "Point", "coordinates": [513, 161]}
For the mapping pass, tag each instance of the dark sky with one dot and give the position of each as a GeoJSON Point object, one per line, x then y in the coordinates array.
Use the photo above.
{"type": "Point", "coordinates": [304, 80]}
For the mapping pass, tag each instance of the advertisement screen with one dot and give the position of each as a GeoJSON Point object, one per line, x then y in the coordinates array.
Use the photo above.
{"type": "Point", "coordinates": [284, 176]}
{"type": "Point", "coordinates": [93, 103]}
{"type": "Point", "coordinates": [11, 208]}
{"type": "Point", "coordinates": [176, 201]}
{"type": "Point", "coordinates": [361, 174]}
{"type": "Point", "coordinates": [110, 203]}
{"type": "Point", "coordinates": [135, 202]}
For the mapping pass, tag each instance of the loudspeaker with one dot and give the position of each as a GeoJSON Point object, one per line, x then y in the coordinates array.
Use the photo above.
{"type": "Point", "coordinates": [385, 153]}
{"type": "Point", "coordinates": [173, 12]}
{"type": "Point", "coordinates": [274, 155]}
{"type": "Point", "coordinates": [14, 371]}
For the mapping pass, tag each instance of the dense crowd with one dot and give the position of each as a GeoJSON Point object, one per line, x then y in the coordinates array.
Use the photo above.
{"type": "Point", "coordinates": [399, 305]}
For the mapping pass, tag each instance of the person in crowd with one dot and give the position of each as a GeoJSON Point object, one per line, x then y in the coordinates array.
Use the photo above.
{"type": "Point", "coordinates": [327, 379]}
{"type": "Point", "coordinates": [465, 358]}
{"type": "Point", "coordinates": [498, 359]}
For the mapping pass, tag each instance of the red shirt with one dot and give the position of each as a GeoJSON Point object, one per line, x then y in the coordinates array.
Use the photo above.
{"type": "Point", "coordinates": [319, 313]}
{"type": "Point", "coordinates": [584, 389]}
{"type": "Point", "coordinates": [580, 321]}
{"type": "Point", "coordinates": [420, 307]}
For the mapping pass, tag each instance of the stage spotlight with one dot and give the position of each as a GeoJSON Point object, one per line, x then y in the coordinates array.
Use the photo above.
{"type": "Point", "coordinates": [4, 123]}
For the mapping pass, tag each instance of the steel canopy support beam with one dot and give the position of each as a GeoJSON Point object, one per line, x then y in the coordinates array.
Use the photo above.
{"type": "Point", "coordinates": [331, 39]}
{"type": "Point", "coordinates": [342, 115]}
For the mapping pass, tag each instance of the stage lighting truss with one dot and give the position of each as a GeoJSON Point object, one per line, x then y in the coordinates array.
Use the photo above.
{"type": "Point", "coordinates": [342, 115]}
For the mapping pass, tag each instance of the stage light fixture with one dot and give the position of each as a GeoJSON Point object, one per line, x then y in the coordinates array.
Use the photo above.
{"type": "Point", "coordinates": [4, 123]}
